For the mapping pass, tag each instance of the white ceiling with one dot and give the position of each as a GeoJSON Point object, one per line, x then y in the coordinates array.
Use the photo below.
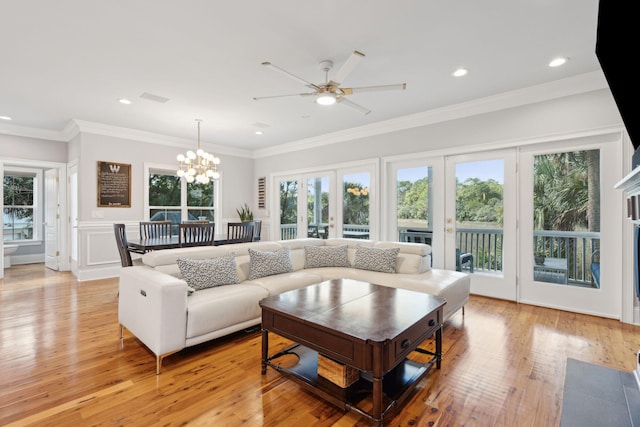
{"type": "Point", "coordinates": [72, 59]}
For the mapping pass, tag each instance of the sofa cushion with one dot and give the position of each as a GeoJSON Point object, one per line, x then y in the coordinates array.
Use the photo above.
{"type": "Point", "coordinates": [267, 263]}
{"type": "Point", "coordinates": [327, 256]}
{"type": "Point", "coordinates": [207, 273]}
{"type": "Point", "coordinates": [376, 259]}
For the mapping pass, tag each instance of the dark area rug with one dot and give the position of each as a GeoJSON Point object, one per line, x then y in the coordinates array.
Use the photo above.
{"type": "Point", "coordinates": [598, 396]}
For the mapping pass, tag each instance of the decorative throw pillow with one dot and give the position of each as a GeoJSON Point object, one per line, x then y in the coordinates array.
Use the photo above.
{"type": "Point", "coordinates": [326, 256]}
{"type": "Point", "coordinates": [267, 263]}
{"type": "Point", "coordinates": [207, 273]}
{"type": "Point", "coordinates": [376, 259]}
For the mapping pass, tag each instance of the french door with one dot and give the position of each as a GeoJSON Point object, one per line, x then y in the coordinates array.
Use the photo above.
{"type": "Point", "coordinates": [571, 222]}
{"type": "Point", "coordinates": [480, 235]}
{"type": "Point", "coordinates": [307, 206]}
{"type": "Point", "coordinates": [331, 203]}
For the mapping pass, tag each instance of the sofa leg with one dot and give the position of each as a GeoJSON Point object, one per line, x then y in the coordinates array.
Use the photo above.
{"type": "Point", "coordinates": [158, 364]}
{"type": "Point", "coordinates": [463, 310]}
{"type": "Point", "coordinates": [121, 331]}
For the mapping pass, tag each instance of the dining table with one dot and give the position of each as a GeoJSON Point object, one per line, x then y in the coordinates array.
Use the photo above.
{"type": "Point", "coordinates": [144, 245]}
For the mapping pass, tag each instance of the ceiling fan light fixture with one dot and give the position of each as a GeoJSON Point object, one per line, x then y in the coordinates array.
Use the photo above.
{"type": "Point", "coordinates": [326, 98]}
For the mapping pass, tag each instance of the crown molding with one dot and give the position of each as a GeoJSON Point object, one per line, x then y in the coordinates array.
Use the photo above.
{"type": "Point", "coordinates": [557, 89]}
{"type": "Point", "coordinates": [154, 138]}
{"type": "Point", "coordinates": [35, 133]}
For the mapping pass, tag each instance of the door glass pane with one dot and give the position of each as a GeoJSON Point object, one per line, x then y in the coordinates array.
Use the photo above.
{"type": "Point", "coordinates": [355, 205]}
{"type": "Point", "coordinates": [413, 205]}
{"type": "Point", "coordinates": [288, 210]}
{"type": "Point", "coordinates": [566, 203]}
{"type": "Point", "coordinates": [479, 216]}
{"type": "Point", "coordinates": [318, 207]}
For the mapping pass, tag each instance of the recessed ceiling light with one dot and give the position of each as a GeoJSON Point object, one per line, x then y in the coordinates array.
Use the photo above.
{"type": "Point", "coordinates": [5, 118]}
{"type": "Point", "coordinates": [460, 72]}
{"type": "Point", "coordinates": [259, 132]}
{"type": "Point", "coordinates": [558, 62]}
{"type": "Point", "coordinates": [124, 101]}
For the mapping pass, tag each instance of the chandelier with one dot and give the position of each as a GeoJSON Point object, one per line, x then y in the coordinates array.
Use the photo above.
{"type": "Point", "coordinates": [200, 166]}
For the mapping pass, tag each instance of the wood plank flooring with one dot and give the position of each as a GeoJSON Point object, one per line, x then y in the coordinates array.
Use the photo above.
{"type": "Point", "coordinates": [62, 363]}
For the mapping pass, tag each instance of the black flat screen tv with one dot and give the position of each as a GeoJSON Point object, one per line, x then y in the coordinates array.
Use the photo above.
{"type": "Point", "coordinates": [617, 51]}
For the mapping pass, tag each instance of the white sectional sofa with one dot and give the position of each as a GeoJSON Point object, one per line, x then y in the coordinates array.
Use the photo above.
{"type": "Point", "coordinates": [161, 310]}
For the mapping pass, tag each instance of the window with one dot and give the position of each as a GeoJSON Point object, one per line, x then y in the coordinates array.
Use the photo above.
{"type": "Point", "coordinates": [171, 198]}
{"type": "Point", "coordinates": [21, 208]}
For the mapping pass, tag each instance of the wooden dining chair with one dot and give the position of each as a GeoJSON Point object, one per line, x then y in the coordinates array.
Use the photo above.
{"type": "Point", "coordinates": [240, 232]}
{"type": "Point", "coordinates": [123, 245]}
{"type": "Point", "coordinates": [152, 229]}
{"type": "Point", "coordinates": [196, 234]}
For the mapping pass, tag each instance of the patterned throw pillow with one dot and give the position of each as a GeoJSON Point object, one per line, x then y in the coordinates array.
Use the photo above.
{"type": "Point", "coordinates": [207, 273]}
{"type": "Point", "coordinates": [267, 263]}
{"type": "Point", "coordinates": [326, 256]}
{"type": "Point", "coordinates": [376, 259]}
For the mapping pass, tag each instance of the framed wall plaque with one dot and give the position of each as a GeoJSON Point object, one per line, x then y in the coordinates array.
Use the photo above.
{"type": "Point", "coordinates": [114, 185]}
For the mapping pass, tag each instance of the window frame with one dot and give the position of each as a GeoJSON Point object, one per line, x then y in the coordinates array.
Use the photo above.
{"type": "Point", "coordinates": [38, 199]}
{"type": "Point", "coordinates": [151, 168]}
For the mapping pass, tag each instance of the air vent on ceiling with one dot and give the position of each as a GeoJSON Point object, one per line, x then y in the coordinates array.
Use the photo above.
{"type": "Point", "coordinates": [152, 97]}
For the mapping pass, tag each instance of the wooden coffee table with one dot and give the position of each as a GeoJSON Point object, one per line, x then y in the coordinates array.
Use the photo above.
{"type": "Point", "coordinates": [362, 325]}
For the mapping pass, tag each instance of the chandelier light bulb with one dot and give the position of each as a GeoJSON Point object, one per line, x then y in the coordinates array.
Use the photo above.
{"type": "Point", "coordinates": [180, 173]}
{"type": "Point", "coordinates": [191, 171]}
{"type": "Point", "coordinates": [180, 157]}
{"type": "Point", "coordinates": [189, 178]}
{"type": "Point", "coordinates": [216, 175]}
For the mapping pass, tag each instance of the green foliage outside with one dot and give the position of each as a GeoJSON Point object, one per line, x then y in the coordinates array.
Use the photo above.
{"type": "Point", "coordinates": [18, 206]}
{"type": "Point", "coordinates": [355, 204]}
{"type": "Point", "coordinates": [413, 199]}
{"type": "Point", "coordinates": [288, 202]}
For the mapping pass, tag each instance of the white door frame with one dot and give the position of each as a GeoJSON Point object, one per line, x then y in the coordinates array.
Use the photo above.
{"type": "Point", "coordinates": [608, 300]}
{"type": "Point", "coordinates": [493, 285]}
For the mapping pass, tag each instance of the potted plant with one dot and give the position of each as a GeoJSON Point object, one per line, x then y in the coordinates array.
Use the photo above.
{"type": "Point", "coordinates": [245, 214]}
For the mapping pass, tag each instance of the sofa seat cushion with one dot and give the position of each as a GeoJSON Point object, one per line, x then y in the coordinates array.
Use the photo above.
{"type": "Point", "coordinates": [222, 306]}
{"type": "Point", "coordinates": [287, 281]}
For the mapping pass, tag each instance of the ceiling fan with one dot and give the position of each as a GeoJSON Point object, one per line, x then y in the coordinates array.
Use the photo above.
{"type": "Point", "coordinates": [330, 92]}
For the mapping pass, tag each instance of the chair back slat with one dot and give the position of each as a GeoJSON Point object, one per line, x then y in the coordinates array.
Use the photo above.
{"type": "Point", "coordinates": [154, 229]}
{"type": "Point", "coordinates": [196, 234]}
{"type": "Point", "coordinates": [240, 232]}
{"type": "Point", "coordinates": [121, 241]}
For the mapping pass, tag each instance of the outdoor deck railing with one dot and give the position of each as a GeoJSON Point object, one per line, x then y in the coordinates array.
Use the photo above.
{"type": "Point", "coordinates": [486, 246]}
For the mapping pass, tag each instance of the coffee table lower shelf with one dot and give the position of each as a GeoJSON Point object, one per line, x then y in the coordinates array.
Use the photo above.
{"type": "Point", "coordinates": [397, 384]}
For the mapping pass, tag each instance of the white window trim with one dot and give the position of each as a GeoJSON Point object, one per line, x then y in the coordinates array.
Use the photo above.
{"type": "Point", "coordinates": [148, 167]}
{"type": "Point", "coordinates": [37, 203]}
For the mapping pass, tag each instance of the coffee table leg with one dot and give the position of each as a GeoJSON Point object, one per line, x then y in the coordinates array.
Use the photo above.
{"type": "Point", "coordinates": [439, 347]}
{"type": "Point", "coordinates": [377, 385]}
{"type": "Point", "coordinates": [265, 350]}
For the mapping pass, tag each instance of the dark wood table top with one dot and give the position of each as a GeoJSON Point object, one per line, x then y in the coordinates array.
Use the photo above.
{"type": "Point", "coordinates": [365, 311]}
{"type": "Point", "coordinates": [168, 242]}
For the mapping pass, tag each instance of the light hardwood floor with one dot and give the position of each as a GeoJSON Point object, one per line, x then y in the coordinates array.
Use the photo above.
{"type": "Point", "coordinates": [62, 363]}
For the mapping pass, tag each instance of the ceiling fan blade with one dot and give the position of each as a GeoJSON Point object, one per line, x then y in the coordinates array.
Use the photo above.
{"type": "Point", "coordinates": [347, 67]}
{"type": "Point", "coordinates": [352, 90]}
{"type": "Point", "coordinates": [353, 105]}
{"type": "Point", "coordinates": [288, 74]}
{"type": "Point", "coordinates": [258, 98]}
